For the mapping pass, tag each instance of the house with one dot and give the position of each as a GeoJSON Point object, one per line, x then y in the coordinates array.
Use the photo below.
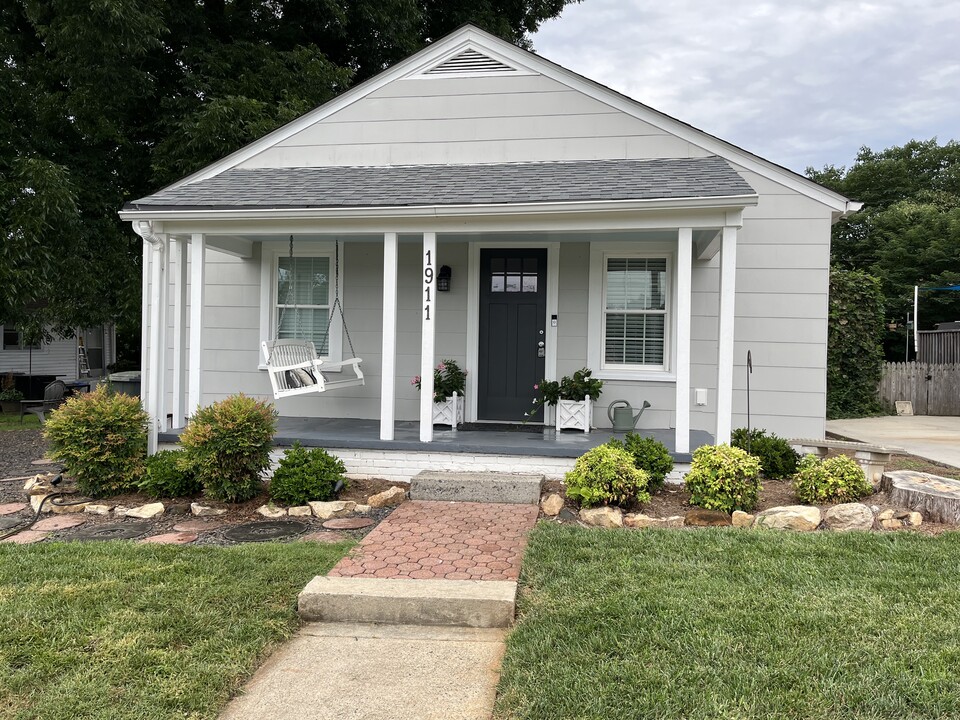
{"type": "Point", "coordinates": [578, 227]}
{"type": "Point", "coordinates": [57, 359]}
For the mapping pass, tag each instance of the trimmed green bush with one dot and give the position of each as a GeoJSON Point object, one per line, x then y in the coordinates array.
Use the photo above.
{"type": "Point", "coordinates": [724, 478]}
{"type": "Point", "coordinates": [651, 456]}
{"type": "Point", "coordinates": [228, 444]}
{"type": "Point", "coordinates": [606, 474]}
{"type": "Point", "coordinates": [101, 438]}
{"type": "Point", "coordinates": [170, 474]}
{"type": "Point", "coordinates": [305, 475]}
{"type": "Point", "coordinates": [837, 479]}
{"type": "Point", "coordinates": [777, 459]}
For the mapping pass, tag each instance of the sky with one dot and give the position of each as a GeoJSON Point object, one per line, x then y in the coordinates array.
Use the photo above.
{"type": "Point", "coordinates": [798, 82]}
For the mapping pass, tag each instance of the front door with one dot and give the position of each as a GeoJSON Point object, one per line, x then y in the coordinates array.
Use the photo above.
{"type": "Point", "coordinates": [513, 308]}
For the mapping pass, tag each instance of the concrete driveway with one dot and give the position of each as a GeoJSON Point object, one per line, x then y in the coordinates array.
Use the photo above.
{"type": "Point", "coordinates": [931, 437]}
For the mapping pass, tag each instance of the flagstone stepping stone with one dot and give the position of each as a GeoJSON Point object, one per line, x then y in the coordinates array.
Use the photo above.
{"type": "Point", "coordinates": [324, 537]}
{"type": "Point", "coordinates": [120, 531]}
{"type": "Point", "coordinates": [937, 498]}
{"type": "Point", "coordinates": [8, 522]}
{"type": "Point", "coordinates": [354, 523]}
{"type": "Point", "coordinates": [196, 526]}
{"type": "Point", "coordinates": [27, 537]}
{"type": "Point", "coordinates": [58, 522]}
{"type": "Point", "coordinates": [44, 461]}
{"type": "Point", "coordinates": [11, 508]}
{"type": "Point", "coordinates": [265, 531]}
{"type": "Point", "coordinates": [174, 538]}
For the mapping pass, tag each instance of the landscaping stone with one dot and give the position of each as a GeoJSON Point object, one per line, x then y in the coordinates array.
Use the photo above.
{"type": "Point", "coordinates": [789, 517]}
{"type": "Point", "coordinates": [300, 511]}
{"type": "Point", "coordinates": [698, 517]}
{"type": "Point", "coordinates": [362, 509]}
{"type": "Point", "coordinates": [196, 526]}
{"type": "Point", "coordinates": [70, 506]}
{"type": "Point", "coordinates": [36, 501]}
{"type": "Point", "coordinates": [334, 509]}
{"type": "Point", "coordinates": [354, 523]}
{"type": "Point", "coordinates": [551, 504]}
{"type": "Point", "coordinates": [848, 516]}
{"type": "Point", "coordinates": [59, 522]}
{"type": "Point", "coordinates": [639, 521]}
{"type": "Point", "coordinates": [205, 510]}
{"type": "Point", "coordinates": [741, 519]}
{"type": "Point", "coordinates": [272, 512]}
{"type": "Point", "coordinates": [265, 531]}
{"type": "Point", "coordinates": [324, 537]}
{"type": "Point", "coordinates": [178, 509]}
{"type": "Point", "coordinates": [567, 515]}
{"type": "Point", "coordinates": [388, 498]}
{"type": "Point", "coordinates": [606, 517]}
{"type": "Point", "coordinates": [96, 509]}
{"type": "Point", "coordinates": [8, 523]}
{"type": "Point", "coordinates": [120, 511]}
{"type": "Point", "coordinates": [937, 498]}
{"type": "Point", "coordinates": [173, 538]}
{"type": "Point", "coordinates": [915, 519]}
{"type": "Point", "coordinates": [673, 521]}
{"type": "Point", "coordinates": [11, 508]}
{"type": "Point", "coordinates": [39, 484]}
{"type": "Point", "coordinates": [891, 524]}
{"type": "Point", "coordinates": [885, 514]}
{"type": "Point", "coordinates": [26, 537]}
{"type": "Point", "coordinates": [146, 512]}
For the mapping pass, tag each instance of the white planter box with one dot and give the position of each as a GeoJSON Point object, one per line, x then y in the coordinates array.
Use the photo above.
{"type": "Point", "coordinates": [449, 412]}
{"type": "Point", "coordinates": [576, 414]}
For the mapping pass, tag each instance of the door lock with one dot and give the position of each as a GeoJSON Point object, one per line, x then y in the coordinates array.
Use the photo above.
{"type": "Point", "coordinates": [541, 350]}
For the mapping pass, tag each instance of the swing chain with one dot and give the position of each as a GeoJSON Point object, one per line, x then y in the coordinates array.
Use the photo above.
{"type": "Point", "coordinates": [337, 303]}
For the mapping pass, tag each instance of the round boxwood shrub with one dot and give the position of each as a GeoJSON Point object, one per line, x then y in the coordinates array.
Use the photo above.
{"type": "Point", "coordinates": [228, 445]}
{"type": "Point", "coordinates": [101, 438]}
{"type": "Point", "coordinates": [723, 478]}
{"type": "Point", "coordinates": [650, 455]}
{"type": "Point", "coordinates": [170, 474]}
{"type": "Point", "coordinates": [837, 479]}
{"type": "Point", "coordinates": [777, 459]}
{"type": "Point", "coordinates": [606, 474]}
{"type": "Point", "coordinates": [305, 475]}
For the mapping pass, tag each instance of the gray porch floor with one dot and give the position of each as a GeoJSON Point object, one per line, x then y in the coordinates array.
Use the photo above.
{"type": "Point", "coordinates": [365, 435]}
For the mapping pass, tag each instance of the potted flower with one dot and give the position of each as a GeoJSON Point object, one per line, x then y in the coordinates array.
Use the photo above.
{"type": "Point", "coordinates": [10, 397]}
{"type": "Point", "coordinates": [573, 396]}
{"type": "Point", "coordinates": [449, 384]}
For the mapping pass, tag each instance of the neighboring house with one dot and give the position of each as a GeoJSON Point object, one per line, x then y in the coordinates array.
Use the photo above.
{"type": "Point", "coordinates": [60, 357]}
{"type": "Point", "coordinates": [581, 228]}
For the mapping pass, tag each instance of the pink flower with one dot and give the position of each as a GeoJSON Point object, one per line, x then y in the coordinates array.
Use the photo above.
{"type": "Point", "coordinates": [441, 366]}
{"type": "Point", "coordinates": [536, 387]}
{"type": "Point", "coordinates": [416, 380]}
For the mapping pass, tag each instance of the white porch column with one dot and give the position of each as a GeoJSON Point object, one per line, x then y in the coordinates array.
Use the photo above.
{"type": "Point", "coordinates": [428, 332]}
{"type": "Point", "coordinates": [728, 281]}
{"type": "Point", "coordinates": [198, 247]}
{"type": "Point", "coordinates": [158, 281]}
{"type": "Point", "coordinates": [178, 254]}
{"type": "Point", "coordinates": [682, 402]}
{"type": "Point", "coordinates": [388, 364]}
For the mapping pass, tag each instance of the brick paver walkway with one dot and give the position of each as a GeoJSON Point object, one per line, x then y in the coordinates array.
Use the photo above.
{"type": "Point", "coordinates": [453, 540]}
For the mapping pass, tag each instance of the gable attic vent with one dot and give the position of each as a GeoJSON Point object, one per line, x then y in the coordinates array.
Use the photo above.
{"type": "Point", "coordinates": [467, 62]}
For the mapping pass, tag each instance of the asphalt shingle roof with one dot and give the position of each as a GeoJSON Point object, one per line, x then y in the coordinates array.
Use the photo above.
{"type": "Point", "coordinates": [425, 185]}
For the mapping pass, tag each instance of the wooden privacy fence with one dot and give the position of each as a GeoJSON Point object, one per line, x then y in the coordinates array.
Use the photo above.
{"type": "Point", "coordinates": [933, 389]}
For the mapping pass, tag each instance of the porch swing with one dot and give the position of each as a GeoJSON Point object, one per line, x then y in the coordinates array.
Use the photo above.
{"type": "Point", "coordinates": [293, 364]}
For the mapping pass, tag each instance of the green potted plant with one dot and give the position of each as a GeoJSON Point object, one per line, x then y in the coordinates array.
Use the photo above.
{"type": "Point", "coordinates": [10, 397]}
{"type": "Point", "coordinates": [449, 385]}
{"type": "Point", "coordinates": [572, 396]}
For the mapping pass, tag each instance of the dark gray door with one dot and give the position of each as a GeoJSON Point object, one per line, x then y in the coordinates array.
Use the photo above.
{"type": "Point", "coordinates": [513, 307]}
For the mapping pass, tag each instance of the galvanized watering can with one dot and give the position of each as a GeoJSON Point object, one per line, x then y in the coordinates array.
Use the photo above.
{"type": "Point", "coordinates": [621, 415]}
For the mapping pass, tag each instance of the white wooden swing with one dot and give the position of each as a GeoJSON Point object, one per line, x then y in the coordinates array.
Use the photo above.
{"type": "Point", "coordinates": [293, 365]}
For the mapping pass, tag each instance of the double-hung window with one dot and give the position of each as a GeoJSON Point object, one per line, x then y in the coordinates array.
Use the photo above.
{"type": "Point", "coordinates": [634, 322]}
{"type": "Point", "coordinates": [302, 300]}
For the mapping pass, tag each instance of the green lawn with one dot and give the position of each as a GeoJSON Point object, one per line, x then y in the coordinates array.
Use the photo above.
{"type": "Point", "coordinates": [11, 421]}
{"type": "Point", "coordinates": [116, 630]}
{"type": "Point", "coordinates": [735, 624]}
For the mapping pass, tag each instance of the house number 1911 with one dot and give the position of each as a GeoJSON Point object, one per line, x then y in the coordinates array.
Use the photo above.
{"type": "Point", "coordinates": [427, 282]}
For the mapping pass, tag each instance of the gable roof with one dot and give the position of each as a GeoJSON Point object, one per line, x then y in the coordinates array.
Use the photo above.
{"type": "Point", "coordinates": [470, 39]}
{"type": "Point", "coordinates": [430, 185]}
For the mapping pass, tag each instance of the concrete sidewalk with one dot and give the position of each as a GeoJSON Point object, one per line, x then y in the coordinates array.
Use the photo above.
{"type": "Point", "coordinates": [927, 436]}
{"type": "Point", "coordinates": [343, 671]}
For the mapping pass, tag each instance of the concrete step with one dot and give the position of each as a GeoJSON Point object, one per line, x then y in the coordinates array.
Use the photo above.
{"type": "Point", "coordinates": [462, 603]}
{"type": "Point", "coordinates": [484, 487]}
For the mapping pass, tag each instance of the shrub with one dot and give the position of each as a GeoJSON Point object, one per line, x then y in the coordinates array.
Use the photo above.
{"type": "Point", "coordinates": [305, 475]}
{"type": "Point", "coordinates": [101, 438]}
{"type": "Point", "coordinates": [837, 479]}
{"type": "Point", "coordinates": [650, 455]}
{"type": "Point", "coordinates": [724, 478]}
{"type": "Point", "coordinates": [606, 474]}
{"type": "Point", "coordinates": [228, 444]}
{"type": "Point", "coordinates": [170, 474]}
{"type": "Point", "coordinates": [854, 344]}
{"type": "Point", "coordinates": [777, 458]}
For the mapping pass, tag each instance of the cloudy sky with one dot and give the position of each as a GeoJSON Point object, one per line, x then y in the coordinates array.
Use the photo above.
{"type": "Point", "coordinates": [799, 82]}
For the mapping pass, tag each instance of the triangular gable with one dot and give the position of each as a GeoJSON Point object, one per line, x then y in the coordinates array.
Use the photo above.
{"type": "Point", "coordinates": [470, 51]}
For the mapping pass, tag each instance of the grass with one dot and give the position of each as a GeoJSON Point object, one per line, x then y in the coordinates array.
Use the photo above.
{"type": "Point", "coordinates": [735, 624]}
{"type": "Point", "coordinates": [10, 421]}
{"type": "Point", "coordinates": [116, 630]}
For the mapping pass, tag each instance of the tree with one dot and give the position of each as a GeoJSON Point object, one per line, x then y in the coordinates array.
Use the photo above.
{"type": "Point", "coordinates": [908, 232]}
{"type": "Point", "coordinates": [854, 355]}
{"type": "Point", "coordinates": [102, 103]}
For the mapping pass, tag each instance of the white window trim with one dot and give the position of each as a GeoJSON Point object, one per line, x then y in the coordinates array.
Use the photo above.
{"type": "Point", "coordinates": [21, 348]}
{"type": "Point", "coordinates": [599, 252]}
{"type": "Point", "coordinates": [271, 252]}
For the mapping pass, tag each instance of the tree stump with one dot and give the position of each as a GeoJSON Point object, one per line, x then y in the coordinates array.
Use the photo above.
{"type": "Point", "coordinates": [937, 498]}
